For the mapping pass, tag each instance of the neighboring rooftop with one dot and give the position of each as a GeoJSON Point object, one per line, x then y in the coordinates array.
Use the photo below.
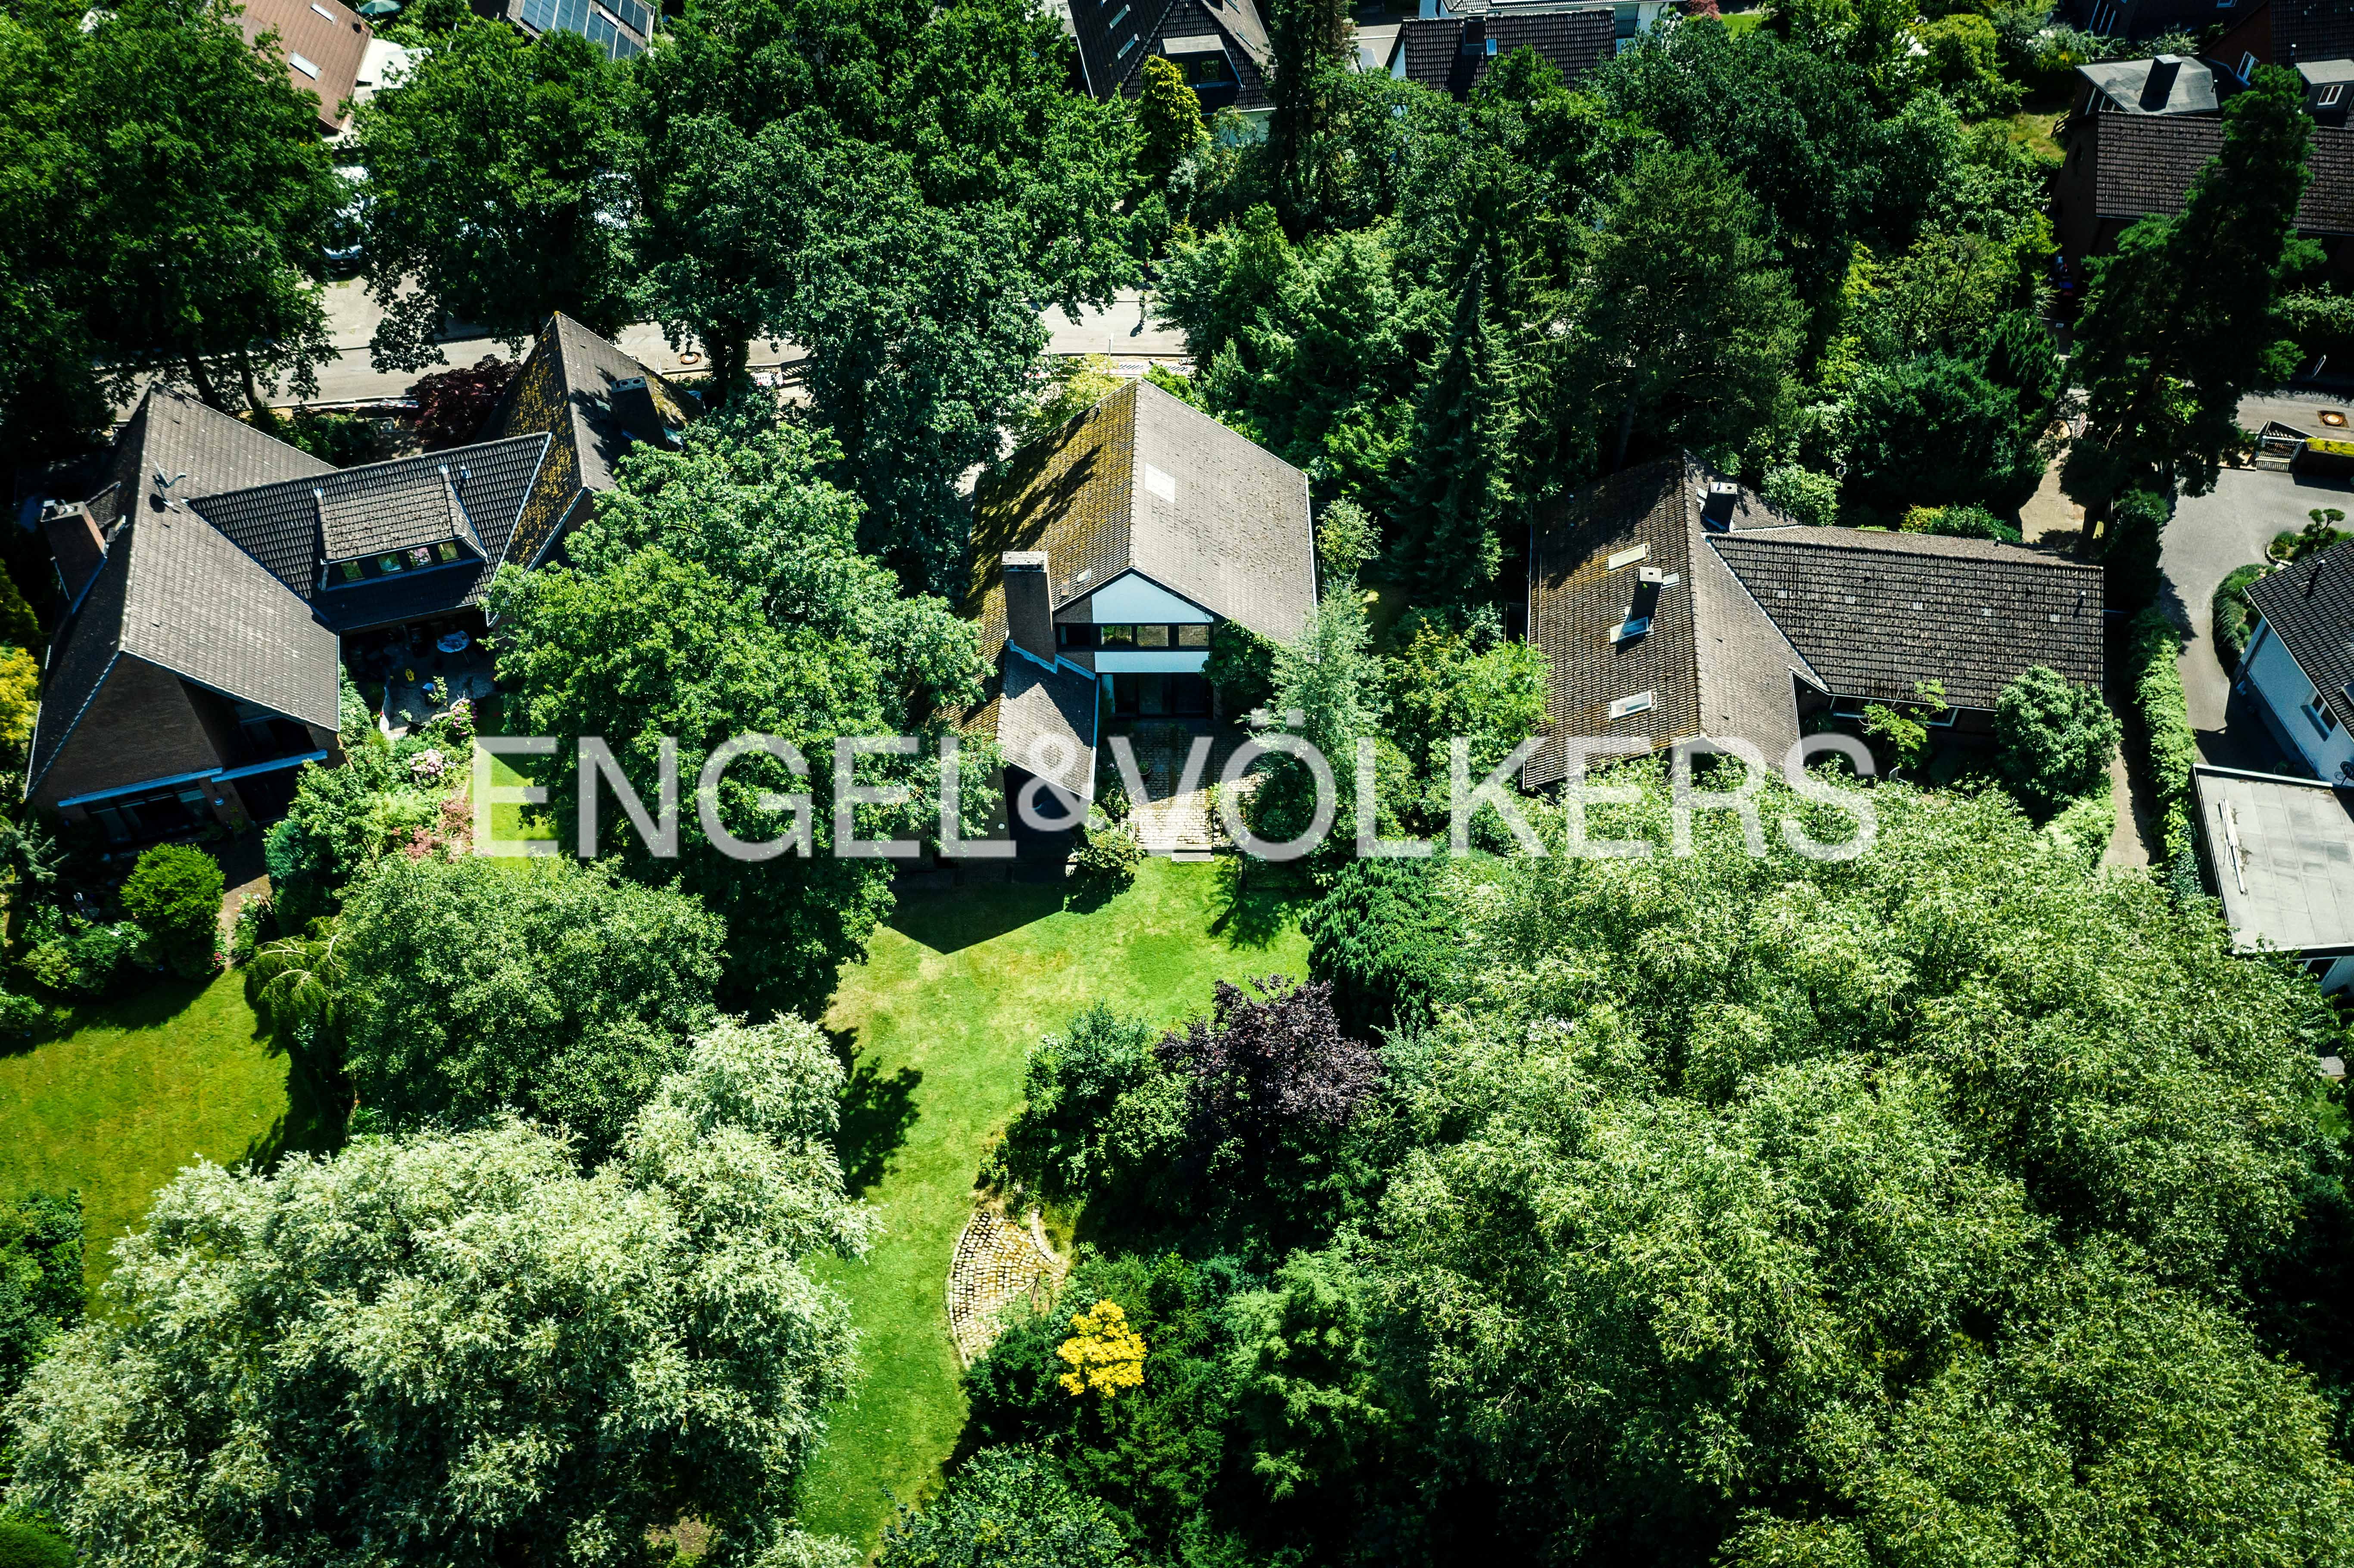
{"type": "Point", "coordinates": [324, 42]}
{"type": "Point", "coordinates": [1221, 44]}
{"type": "Point", "coordinates": [2165, 85]}
{"type": "Point", "coordinates": [1453, 54]}
{"type": "Point", "coordinates": [2283, 851]}
{"type": "Point", "coordinates": [620, 27]}
{"type": "Point", "coordinates": [2310, 608]}
{"type": "Point", "coordinates": [2148, 162]}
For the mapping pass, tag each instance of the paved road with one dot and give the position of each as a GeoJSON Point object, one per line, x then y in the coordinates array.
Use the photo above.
{"type": "Point", "coordinates": [1121, 332]}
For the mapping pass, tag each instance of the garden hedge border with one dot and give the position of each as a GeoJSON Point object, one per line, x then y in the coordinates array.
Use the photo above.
{"type": "Point", "coordinates": [2164, 721]}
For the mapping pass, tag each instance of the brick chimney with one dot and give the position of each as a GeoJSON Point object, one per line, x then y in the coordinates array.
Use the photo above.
{"type": "Point", "coordinates": [1029, 602]}
{"type": "Point", "coordinates": [2158, 86]}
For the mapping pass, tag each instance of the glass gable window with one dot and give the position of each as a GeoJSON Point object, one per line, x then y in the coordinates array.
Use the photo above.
{"type": "Point", "coordinates": [390, 564]}
{"type": "Point", "coordinates": [1123, 635]}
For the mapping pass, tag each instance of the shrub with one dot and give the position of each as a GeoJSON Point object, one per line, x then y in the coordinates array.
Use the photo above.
{"type": "Point", "coordinates": [20, 1015]}
{"type": "Point", "coordinates": [2137, 528]}
{"type": "Point", "coordinates": [2310, 540]}
{"type": "Point", "coordinates": [72, 956]}
{"type": "Point", "coordinates": [1380, 938]}
{"type": "Point", "coordinates": [1070, 1085]}
{"type": "Point", "coordinates": [347, 440]}
{"type": "Point", "coordinates": [175, 895]}
{"type": "Point", "coordinates": [1108, 858]}
{"type": "Point", "coordinates": [2164, 718]}
{"type": "Point", "coordinates": [1007, 1508]}
{"type": "Point", "coordinates": [1241, 666]}
{"type": "Point", "coordinates": [2233, 618]}
{"type": "Point", "coordinates": [24, 1545]}
{"type": "Point", "coordinates": [2084, 826]}
{"type": "Point", "coordinates": [1965, 522]}
{"type": "Point", "coordinates": [1808, 496]}
{"type": "Point", "coordinates": [2054, 739]}
{"type": "Point", "coordinates": [253, 924]}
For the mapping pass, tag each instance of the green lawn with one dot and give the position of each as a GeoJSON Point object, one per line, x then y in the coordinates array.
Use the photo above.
{"type": "Point", "coordinates": [138, 1088]}
{"type": "Point", "coordinates": [952, 995]}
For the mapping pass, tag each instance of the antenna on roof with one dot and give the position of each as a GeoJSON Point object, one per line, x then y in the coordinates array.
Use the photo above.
{"type": "Point", "coordinates": [163, 490]}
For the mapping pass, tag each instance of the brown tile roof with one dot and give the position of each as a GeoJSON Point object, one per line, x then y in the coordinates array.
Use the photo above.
{"type": "Point", "coordinates": [1448, 54]}
{"type": "Point", "coordinates": [2146, 164]}
{"type": "Point", "coordinates": [2312, 31]}
{"type": "Point", "coordinates": [1231, 533]}
{"type": "Point", "coordinates": [326, 34]}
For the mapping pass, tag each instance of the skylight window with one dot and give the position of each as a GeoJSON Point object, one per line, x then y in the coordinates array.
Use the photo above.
{"type": "Point", "coordinates": [323, 11]}
{"type": "Point", "coordinates": [1627, 708]}
{"type": "Point", "coordinates": [305, 66]}
{"type": "Point", "coordinates": [1629, 557]}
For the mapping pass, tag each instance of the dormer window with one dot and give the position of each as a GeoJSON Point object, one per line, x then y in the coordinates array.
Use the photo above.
{"type": "Point", "coordinates": [2333, 94]}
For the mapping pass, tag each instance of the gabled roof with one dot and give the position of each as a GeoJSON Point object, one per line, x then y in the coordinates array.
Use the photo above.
{"type": "Point", "coordinates": [171, 434]}
{"type": "Point", "coordinates": [1451, 54]}
{"type": "Point", "coordinates": [177, 594]}
{"type": "Point", "coordinates": [1117, 36]}
{"type": "Point", "coordinates": [1874, 613]}
{"type": "Point", "coordinates": [1145, 481]}
{"type": "Point", "coordinates": [326, 35]}
{"type": "Point", "coordinates": [2312, 31]}
{"type": "Point", "coordinates": [1712, 661]}
{"type": "Point", "coordinates": [2283, 851]}
{"type": "Point", "coordinates": [474, 493]}
{"type": "Point", "coordinates": [2147, 161]}
{"type": "Point", "coordinates": [1749, 605]}
{"type": "Point", "coordinates": [1056, 705]}
{"type": "Point", "coordinates": [2310, 608]}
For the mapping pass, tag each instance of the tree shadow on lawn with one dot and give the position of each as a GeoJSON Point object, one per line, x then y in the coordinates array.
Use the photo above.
{"type": "Point", "coordinates": [1257, 900]}
{"type": "Point", "coordinates": [151, 1008]}
{"type": "Point", "coordinates": [950, 922]}
{"type": "Point", "coordinates": [312, 1125]}
{"type": "Point", "coordinates": [877, 1111]}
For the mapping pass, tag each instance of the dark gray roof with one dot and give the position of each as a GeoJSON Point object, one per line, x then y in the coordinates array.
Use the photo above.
{"type": "Point", "coordinates": [173, 435]}
{"type": "Point", "coordinates": [1054, 709]}
{"type": "Point", "coordinates": [2283, 849]}
{"type": "Point", "coordinates": [470, 494]}
{"type": "Point", "coordinates": [590, 367]}
{"type": "Point", "coordinates": [2147, 161]}
{"type": "Point", "coordinates": [1115, 37]}
{"type": "Point", "coordinates": [1713, 663]}
{"type": "Point", "coordinates": [1875, 613]}
{"type": "Point", "coordinates": [2126, 84]}
{"type": "Point", "coordinates": [1753, 608]}
{"type": "Point", "coordinates": [2310, 608]}
{"type": "Point", "coordinates": [1451, 54]}
{"type": "Point", "coordinates": [1146, 482]}
{"type": "Point", "coordinates": [177, 594]}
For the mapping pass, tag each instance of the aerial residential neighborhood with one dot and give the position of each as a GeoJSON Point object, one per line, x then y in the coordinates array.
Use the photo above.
{"type": "Point", "coordinates": [1176, 783]}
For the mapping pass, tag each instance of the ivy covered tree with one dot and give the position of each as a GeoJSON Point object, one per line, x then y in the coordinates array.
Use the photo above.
{"type": "Point", "coordinates": [1454, 480]}
{"type": "Point", "coordinates": [2181, 321]}
{"type": "Point", "coordinates": [498, 190]}
{"type": "Point", "coordinates": [460, 1347]}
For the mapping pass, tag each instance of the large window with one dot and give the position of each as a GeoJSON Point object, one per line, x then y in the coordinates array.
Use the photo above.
{"type": "Point", "coordinates": [1152, 694]}
{"type": "Point", "coordinates": [1122, 635]}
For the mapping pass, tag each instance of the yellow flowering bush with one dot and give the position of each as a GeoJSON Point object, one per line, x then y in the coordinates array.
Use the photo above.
{"type": "Point", "coordinates": [1105, 1353]}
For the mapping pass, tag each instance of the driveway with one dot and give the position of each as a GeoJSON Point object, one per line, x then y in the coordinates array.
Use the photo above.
{"type": "Point", "coordinates": [2210, 537]}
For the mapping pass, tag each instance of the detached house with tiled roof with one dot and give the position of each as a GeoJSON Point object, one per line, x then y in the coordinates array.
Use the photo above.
{"type": "Point", "coordinates": [1453, 54]}
{"type": "Point", "coordinates": [2300, 661]}
{"type": "Point", "coordinates": [1221, 46]}
{"type": "Point", "coordinates": [210, 578]}
{"type": "Point", "coordinates": [1673, 605]}
{"type": "Point", "coordinates": [1105, 555]}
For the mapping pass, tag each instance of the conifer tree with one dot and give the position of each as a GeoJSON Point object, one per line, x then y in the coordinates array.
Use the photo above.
{"type": "Point", "coordinates": [1168, 120]}
{"type": "Point", "coordinates": [1454, 482]}
{"type": "Point", "coordinates": [1312, 41]}
{"type": "Point", "coordinates": [2182, 320]}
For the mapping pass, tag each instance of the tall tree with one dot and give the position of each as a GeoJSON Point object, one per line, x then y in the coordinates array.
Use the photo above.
{"type": "Point", "coordinates": [720, 592]}
{"type": "Point", "coordinates": [1168, 120]}
{"type": "Point", "coordinates": [1454, 478]}
{"type": "Point", "coordinates": [1314, 45]}
{"type": "Point", "coordinates": [460, 1348]}
{"type": "Point", "coordinates": [49, 402]}
{"type": "Point", "coordinates": [2181, 321]}
{"type": "Point", "coordinates": [498, 190]}
{"type": "Point", "coordinates": [1686, 325]}
{"type": "Point", "coordinates": [203, 171]}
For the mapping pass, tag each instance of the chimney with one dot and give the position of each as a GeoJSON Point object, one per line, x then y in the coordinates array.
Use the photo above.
{"type": "Point", "coordinates": [2158, 86]}
{"type": "Point", "coordinates": [1029, 603]}
{"type": "Point", "coordinates": [1475, 35]}
{"type": "Point", "coordinates": [633, 409]}
{"type": "Point", "coordinates": [1716, 508]}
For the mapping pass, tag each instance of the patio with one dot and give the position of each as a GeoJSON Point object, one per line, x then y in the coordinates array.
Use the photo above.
{"type": "Point", "coordinates": [424, 669]}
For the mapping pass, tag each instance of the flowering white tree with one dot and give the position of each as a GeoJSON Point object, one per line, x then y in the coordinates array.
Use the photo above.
{"type": "Point", "coordinates": [462, 1349]}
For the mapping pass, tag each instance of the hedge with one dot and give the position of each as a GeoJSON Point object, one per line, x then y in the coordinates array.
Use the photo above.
{"type": "Point", "coordinates": [2164, 724]}
{"type": "Point", "coordinates": [2233, 617]}
{"type": "Point", "coordinates": [175, 895]}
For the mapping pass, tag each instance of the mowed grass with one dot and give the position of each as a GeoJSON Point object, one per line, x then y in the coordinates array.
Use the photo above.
{"type": "Point", "coordinates": [952, 995]}
{"type": "Point", "coordinates": [137, 1089]}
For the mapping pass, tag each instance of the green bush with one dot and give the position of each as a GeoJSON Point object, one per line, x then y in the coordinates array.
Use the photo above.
{"type": "Point", "coordinates": [1805, 495]}
{"type": "Point", "coordinates": [20, 1015]}
{"type": "Point", "coordinates": [1006, 1507]}
{"type": "Point", "coordinates": [2136, 529]}
{"type": "Point", "coordinates": [2233, 618]}
{"type": "Point", "coordinates": [256, 919]}
{"type": "Point", "coordinates": [1241, 666]}
{"type": "Point", "coordinates": [40, 1283]}
{"type": "Point", "coordinates": [2164, 719]}
{"type": "Point", "coordinates": [2084, 826]}
{"type": "Point", "coordinates": [74, 957]}
{"type": "Point", "coordinates": [1110, 856]}
{"type": "Point", "coordinates": [2054, 740]}
{"type": "Point", "coordinates": [175, 895]}
{"type": "Point", "coordinates": [1381, 939]}
{"type": "Point", "coordinates": [28, 1545]}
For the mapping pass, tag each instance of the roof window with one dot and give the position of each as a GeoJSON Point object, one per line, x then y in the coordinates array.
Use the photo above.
{"type": "Point", "coordinates": [305, 66]}
{"type": "Point", "coordinates": [1627, 708]}
{"type": "Point", "coordinates": [1631, 628]}
{"type": "Point", "coordinates": [1629, 557]}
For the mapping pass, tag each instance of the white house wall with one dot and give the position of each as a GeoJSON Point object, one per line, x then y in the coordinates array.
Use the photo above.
{"type": "Point", "coordinates": [2282, 684]}
{"type": "Point", "coordinates": [1128, 599]}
